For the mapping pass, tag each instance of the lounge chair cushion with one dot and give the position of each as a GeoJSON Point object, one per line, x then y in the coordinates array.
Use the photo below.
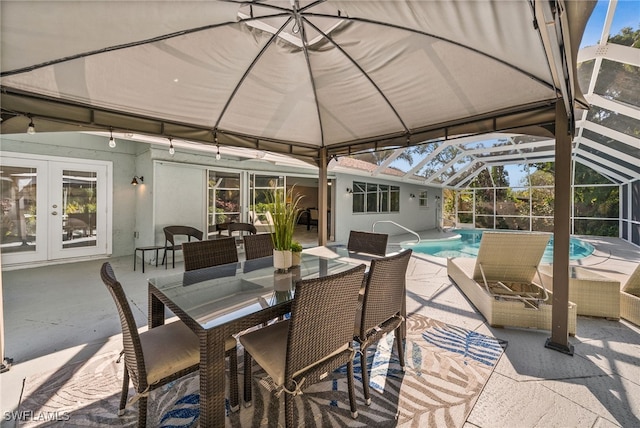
{"type": "Point", "coordinates": [510, 256]}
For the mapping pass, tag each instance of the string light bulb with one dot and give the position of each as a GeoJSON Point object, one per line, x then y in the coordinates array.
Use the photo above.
{"type": "Point", "coordinates": [112, 141]}
{"type": "Point", "coordinates": [31, 129]}
{"type": "Point", "coordinates": [172, 151]}
{"type": "Point", "coordinates": [215, 139]}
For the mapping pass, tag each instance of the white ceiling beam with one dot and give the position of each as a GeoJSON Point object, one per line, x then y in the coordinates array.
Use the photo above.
{"type": "Point", "coordinates": [616, 135]}
{"type": "Point", "coordinates": [387, 161]}
{"type": "Point", "coordinates": [611, 52]}
{"type": "Point", "coordinates": [468, 179]}
{"type": "Point", "coordinates": [608, 174]}
{"type": "Point", "coordinates": [457, 174]}
{"type": "Point", "coordinates": [443, 145]}
{"type": "Point", "coordinates": [613, 166]}
{"type": "Point", "coordinates": [625, 109]}
{"type": "Point", "coordinates": [611, 152]}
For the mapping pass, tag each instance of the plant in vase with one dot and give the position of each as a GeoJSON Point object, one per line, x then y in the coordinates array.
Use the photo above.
{"type": "Point", "coordinates": [284, 210]}
{"type": "Point", "coordinates": [296, 249]}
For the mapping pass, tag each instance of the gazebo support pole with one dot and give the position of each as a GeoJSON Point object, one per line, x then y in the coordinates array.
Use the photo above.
{"type": "Point", "coordinates": [323, 196]}
{"type": "Point", "coordinates": [559, 339]}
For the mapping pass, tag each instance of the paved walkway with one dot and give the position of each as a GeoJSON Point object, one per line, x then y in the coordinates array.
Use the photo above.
{"type": "Point", "coordinates": [58, 314]}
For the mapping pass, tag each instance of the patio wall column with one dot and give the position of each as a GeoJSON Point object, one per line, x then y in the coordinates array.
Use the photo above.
{"type": "Point", "coordinates": [323, 196]}
{"type": "Point", "coordinates": [559, 339]}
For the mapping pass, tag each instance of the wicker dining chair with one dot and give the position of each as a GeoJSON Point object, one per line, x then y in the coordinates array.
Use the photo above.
{"type": "Point", "coordinates": [382, 308]}
{"type": "Point", "coordinates": [170, 243]}
{"type": "Point", "coordinates": [160, 355]}
{"type": "Point", "coordinates": [368, 242]}
{"type": "Point", "coordinates": [214, 252]}
{"type": "Point", "coordinates": [241, 228]}
{"type": "Point", "coordinates": [315, 341]}
{"type": "Point", "coordinates": [257, 246]}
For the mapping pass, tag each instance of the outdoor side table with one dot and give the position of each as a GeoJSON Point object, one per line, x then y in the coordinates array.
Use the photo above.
{"type": "Point", "coordinates": [142, 250]}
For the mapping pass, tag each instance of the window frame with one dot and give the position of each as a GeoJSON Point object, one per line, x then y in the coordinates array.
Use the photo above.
{"type": "Point", "coordinates": [375, 198]}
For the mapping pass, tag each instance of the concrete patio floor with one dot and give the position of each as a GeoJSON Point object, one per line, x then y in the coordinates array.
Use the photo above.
{"type": "Point", "coordinates": [60, 314]}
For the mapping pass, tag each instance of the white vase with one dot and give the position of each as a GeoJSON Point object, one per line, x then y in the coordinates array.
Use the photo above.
{"type": "Point", "coordinates": [295, 258]}
{"type": "Point", "coordinates": [282, 259]}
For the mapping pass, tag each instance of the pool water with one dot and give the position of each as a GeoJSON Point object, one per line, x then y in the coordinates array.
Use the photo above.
{"type": "Point", "coordinates": [467, 242]}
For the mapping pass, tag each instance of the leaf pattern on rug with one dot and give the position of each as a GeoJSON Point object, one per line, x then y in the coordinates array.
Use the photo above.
{"type": "Point", "coordinates": [446, 369]}
{"type": "Point", "coordinates": [184, 413]}
{"type": "Point", "coordinates": [468, 343]}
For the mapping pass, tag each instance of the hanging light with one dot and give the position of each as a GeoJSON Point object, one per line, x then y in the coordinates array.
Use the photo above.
{"type": "Point", "coordinates": [172, 151]}
{"type": "Point", "coordinates": [215, 139]}
{"type": "Point", "coordinates": [112, 141]}
{"type": "Point", "coordinates": [31, 129]}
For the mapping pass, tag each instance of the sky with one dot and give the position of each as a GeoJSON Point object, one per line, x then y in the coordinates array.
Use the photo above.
{"type": "Point", "coordinates": [627, 15]}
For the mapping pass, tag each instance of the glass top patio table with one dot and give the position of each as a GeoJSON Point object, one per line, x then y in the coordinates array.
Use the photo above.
{"type": "Point", "coordinates": [217, 295]}
{"type": "Point", "coordinates": [224, 300]}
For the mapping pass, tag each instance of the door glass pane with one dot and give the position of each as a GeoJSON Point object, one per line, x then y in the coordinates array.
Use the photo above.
{"type": "Point", "coordinates": [262, 190]}
{"type": "Point", "coordinates": [79, 214]}
{"type": "Point", "coordinates": [224, 199]}
{"type": "Point", "coordinates": [18, 193]}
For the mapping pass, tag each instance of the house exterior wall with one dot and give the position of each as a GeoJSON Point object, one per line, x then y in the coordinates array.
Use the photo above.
{"type": "Point", "coordinates": [411, 215]}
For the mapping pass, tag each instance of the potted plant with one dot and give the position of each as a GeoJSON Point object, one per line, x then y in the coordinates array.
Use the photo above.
{"type": "Point", "coordinates": [296, 249]}
{"type": "Point", "coordinates": [284, 210]}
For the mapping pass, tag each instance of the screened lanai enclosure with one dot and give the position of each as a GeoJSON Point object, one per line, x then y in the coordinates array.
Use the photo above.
{"type": "Point", "coordinates": [500, 181]}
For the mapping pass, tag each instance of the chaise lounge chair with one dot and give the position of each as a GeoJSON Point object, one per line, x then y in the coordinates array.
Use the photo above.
{"type": "Point", "coordinates": [504, 283]}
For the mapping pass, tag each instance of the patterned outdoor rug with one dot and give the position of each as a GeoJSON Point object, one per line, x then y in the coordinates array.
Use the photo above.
{"type": "Point", "coordinates": [446, 369]}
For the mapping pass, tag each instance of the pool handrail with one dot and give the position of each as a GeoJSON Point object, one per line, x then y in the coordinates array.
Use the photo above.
{"type": "Point", "coordinates": [373, 228]}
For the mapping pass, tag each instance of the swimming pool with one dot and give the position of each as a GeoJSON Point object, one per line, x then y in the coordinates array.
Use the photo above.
{"type": "Point", "coordinates": [467, 242]}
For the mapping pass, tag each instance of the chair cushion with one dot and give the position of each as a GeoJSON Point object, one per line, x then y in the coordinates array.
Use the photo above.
{"type": "Point", "coordinates": [170, 348]}
{"type": "Point", "coordinates": [268, 347]}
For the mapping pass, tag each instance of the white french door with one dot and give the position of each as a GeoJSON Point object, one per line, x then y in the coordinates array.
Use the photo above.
{"type": "Point", "coordinates": [53, 208]}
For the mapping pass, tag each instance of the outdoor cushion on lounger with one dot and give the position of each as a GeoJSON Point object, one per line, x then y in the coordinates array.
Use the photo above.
{"type": "Point", "coordinates": [503, 282]}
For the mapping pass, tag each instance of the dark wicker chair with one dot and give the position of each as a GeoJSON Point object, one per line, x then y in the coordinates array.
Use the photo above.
{"type": "Point", "coordinates": [241, 228]}
{"type": "Point", "coordinates": [160, 355]}
{"type": "Point", "coordinates": [202, 254]}
{"type": "Point", "coordinates": [313, 218]}
{"type": "Point", "coordinates": [313, 342]}
{"type": "Point", "coordinates": [382, 308]}
{"type": "Point", "coordinates": [368, 242]}
{"type": "Point", "coordinates": [256, 246]}
{"type": "Point", "coordinates": [170, 234]}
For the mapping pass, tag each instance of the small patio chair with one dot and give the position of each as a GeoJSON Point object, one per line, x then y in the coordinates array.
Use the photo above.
{"type": "Point", "coordinates": [257, 246]}
{"type": "Point", "coordinates": [382, 308]}
{"type": "Point", "coordinates": [368, 242]}
{"type": "Point", "coordinates": [170, 234]}
{"type": "Point", "coordinates": [313, 218]}
{"type": "Point", "coordinates": [202, 254]}
{"type": "Point", "coordinates": [160, 355]}
{"type": "Point", "coordinates": [313, 342]}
